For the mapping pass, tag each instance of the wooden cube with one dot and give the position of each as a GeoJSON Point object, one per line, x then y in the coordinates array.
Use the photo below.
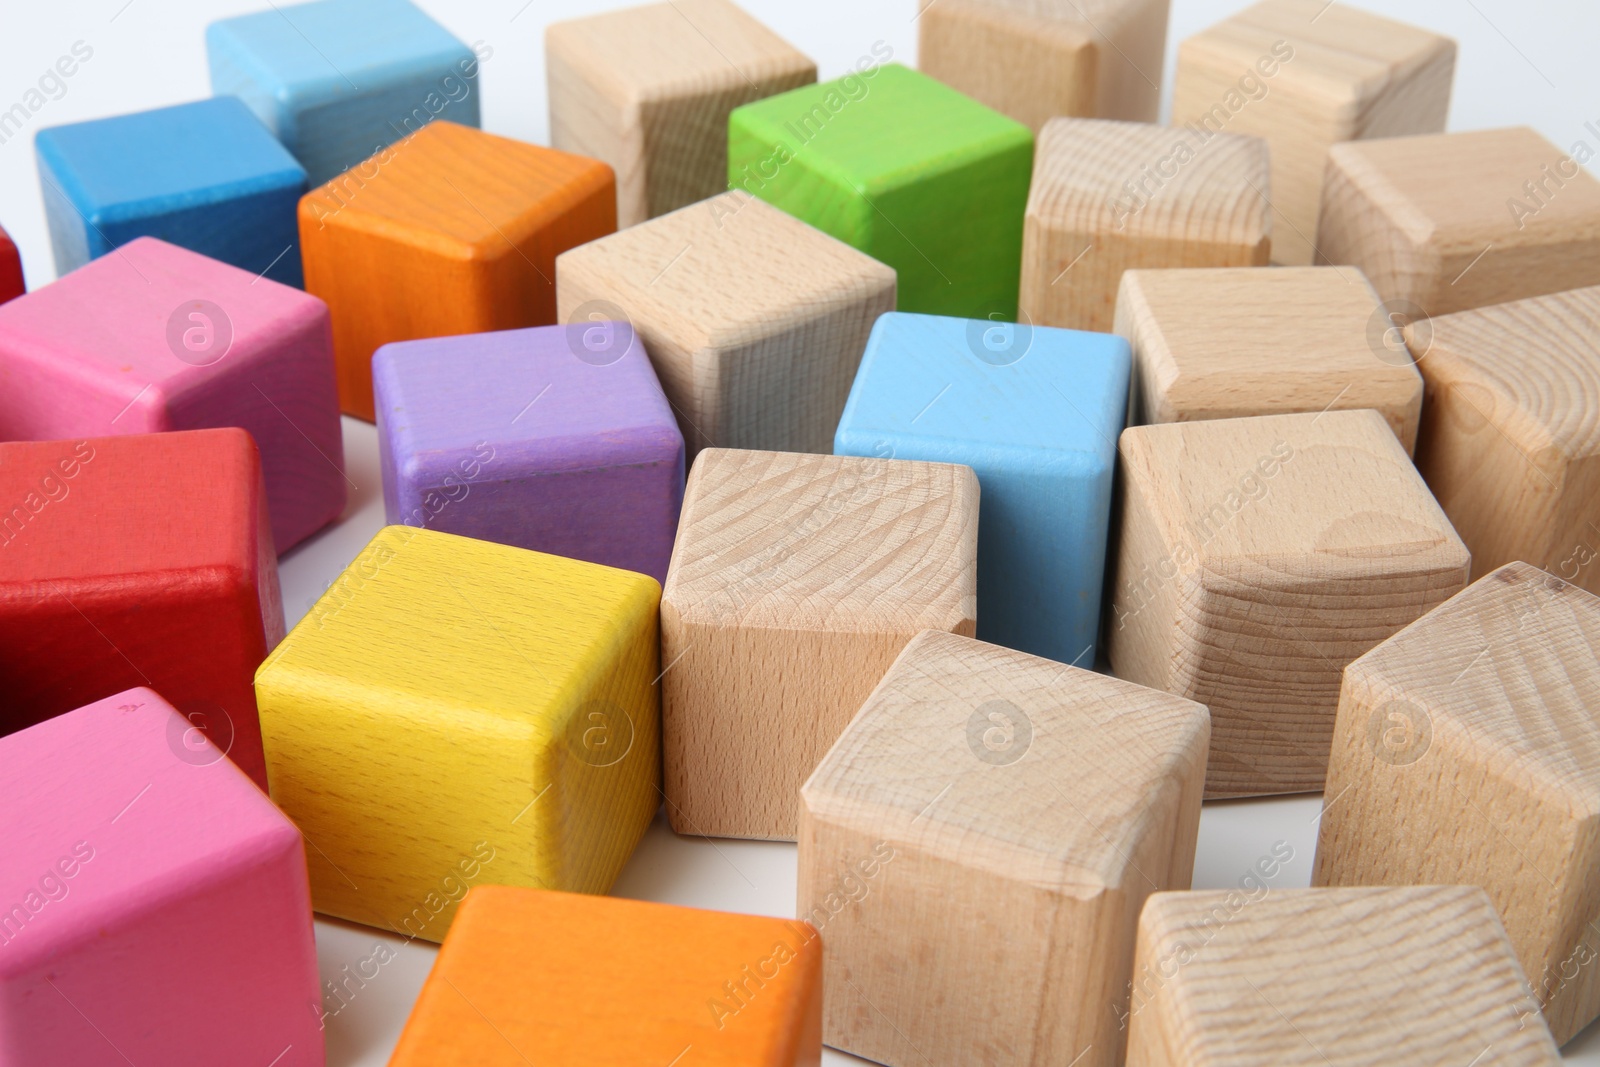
{"type": "Point", "coordinates": [1304, 75]}
{"type": "Point", "coordinates": [338, 80]}
{"type": "Point", "coordinates": [11, 282]}
{"type": "Point", "coordinates": [1259, 556]}
{"type": "Point", "coordinates": [1037, 61]}
{"type": "Point", "coordinates": [1035, 413]}
{"type": "Point", "coordinates": [904, 168]}
{"type": "Point", "coordinates": [1005, 816]}
{"type": "Point", "coordinates": [155, 907]}
{"type": "Point", "coordinates": [794, 583]}
{"type": "Point", "coordinates": [553, 439]}
{"type": "Point", "coordinates": [1111, 196]}
{"type": "Point", "coordinates": [1228, 342]}
{"type": "Point", "coordinates": [450, 231]}
{"type": "Point", "coordinates": [454, 710]}
{"type": "Point", "coordinates": [140, 560]}
{"type": "Point", "coordinates": [1330, 978]}
{"type": "Point", "coordinates": [534, 977]}
{"type": "Point", "coordinates": [158, 338]}
{"type": "Point", "coordinates": [754, 320]}
{"type": "Point", "coordinates": [648, 90]}
{"type": "Point", "coordinates": [1466, 750]}
{"type": "Point", "coordinates": [1459, 220]}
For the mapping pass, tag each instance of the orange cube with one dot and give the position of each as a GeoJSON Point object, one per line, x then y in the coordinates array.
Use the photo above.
{"type": "Point", "coordinates": [449, 231]}
{"type": "Point", "coordinates": [535, 976]}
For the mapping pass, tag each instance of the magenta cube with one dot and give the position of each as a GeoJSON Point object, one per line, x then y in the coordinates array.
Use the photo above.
{"type": "Point", "coordinates": [556, 438]}
{"type": "Point", "coordinates": [154, 907]}
{"type": "Point", "coordinates": [153, 337]}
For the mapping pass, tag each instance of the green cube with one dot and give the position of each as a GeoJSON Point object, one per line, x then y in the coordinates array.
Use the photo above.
{"type": "Point", "coordinates": [907, 170]}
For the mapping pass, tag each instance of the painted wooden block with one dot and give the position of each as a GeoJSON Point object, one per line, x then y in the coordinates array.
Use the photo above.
{"type": "Point", "coordinates": [454, 711]}
{"type": "Point", "coordinates": [1112, 196]}
{"type": "Point", "coordinates": [1466, 750]}
{"type": "Point", "coordinates": [1455, 221]}
{"type": "Point", "coordinates": [156, 907]}
{"type": "Point", "coordinates": [1256, 558]}
{"type": "Point", "coordinates": [754, 320]}
{"type": "Point", "coordinates": [11, 282]}
{"type": "Point", "coordinates": [556, 439]}
{"type": "Point", "coordinates": [1035, 413]}
{"type": "Point", "coordinates": [533, 976]}
{"type": "Point", "coordinates": [157, 338]}
{"type": "Point", "coordinates": [339, 80]}
{"type": "Point", "coordinates": [450, 231]}
{"type": "Point", "coordinates": [1229, 342]}
{"type": "Point", "coordinates": [1035, 61]}
{"type": "Point", "coordinates": [142, 560]}
{"type": "Point", "coordinates": [206, 176]}
{"type": "Point", "coordinates": [1512, 438]}
{"type": "Point", "coordinates": [1330, 978]}
{"type": "Point", "coordinates": [1006, 816]}
{"type": "Point", "coordinates": [904, 168]}
{"type": "Point", "coordinates": [795, 581]}
{"type": "Point", "coordinates": [648, 90]}
{"type": "Point", "coordinates": [1306, 74]}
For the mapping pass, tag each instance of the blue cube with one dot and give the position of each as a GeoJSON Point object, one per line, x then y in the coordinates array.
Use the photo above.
{"type": "Point", "coordinates": [1036, 413]}
{"type": "Point", "coordinates": [206, 176]}
{"type": "Point", "coordinates": [340, 80]}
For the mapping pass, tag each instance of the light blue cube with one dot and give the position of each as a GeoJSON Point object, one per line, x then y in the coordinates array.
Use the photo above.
{"type": "Point", "coordinates": [1036, 413]}
{"type": "Point", "coordinates": [339, 80]}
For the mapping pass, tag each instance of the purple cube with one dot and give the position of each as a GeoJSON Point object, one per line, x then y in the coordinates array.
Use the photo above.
{"type": "Point", "coordinates": [557, 439]}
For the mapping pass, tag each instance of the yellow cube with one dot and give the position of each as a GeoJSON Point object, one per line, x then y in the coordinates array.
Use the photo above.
{"type": "Point", "coordinates": [454, 712]}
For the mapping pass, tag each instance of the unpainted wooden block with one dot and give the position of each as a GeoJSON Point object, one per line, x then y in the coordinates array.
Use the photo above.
{"type": "Point", "coordinates": [1112, 196]}
{"type": "Point", "coordinates": [648, 90]}
{"type": "Point", "coordinates": [1226, 343]}
{"type": "Point", "coordinates": [794, 583]}
{"type": "Point", "coordinates": [1455, 221]}
{"type": "Point", "coordinates": [1306, 74]}
{"type": "Point", "coordinates": [1038, 59]}
{"type": "Point", "coordinates": [529, 976]}
{"type": "Point", "coordinates": [1467, 750]}
{"type": "Point", "coordinates": [454, 711]}
{"type": "Point", "coordinates": [1330, 978]}
{"type": "Point", "coordinates": [1511, 444]}
{"type": "Point", "coordinates": [754, 321]}
{"type": "Point", "coordinates": [11, 281]}
{"type": "Point", "coordinates": [1257, 557]}
{"type": "Point", "coordinates": [975, 850]}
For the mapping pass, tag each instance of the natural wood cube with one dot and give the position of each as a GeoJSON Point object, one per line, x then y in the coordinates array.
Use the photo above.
{"type": "Point", "coordinates": [1467, 750]}
{"type": "Point", "coordinates": [534, 977]}
{"type": "Point", "coordinates": [1228, 342]}
{"type": "Point", "coordinates": [755, 322]}
{"type": "Point", "coordinates": [1459, 220]}
{"type": "Point", "coordinates": [1511, 445]}
{"type": "Point", "coordinates": [794, 583]}
{"type": "Point", "coordinates": [1306, 74]}
{"type": "Point", "coordinates": [452, 711]}
{"type": "Point", "coordinates": [1259, 556]}
{"type": "Point", "coordinates": [1005, 816]}
{"type": "Point", "coordinates": [648, 90]}
{"type": "Point", "coordinates": [1102, 202]}
{"type": "Point", "coordinates": [1035, 61]}
{"type": "Point", "coordinates": [1330, 978]}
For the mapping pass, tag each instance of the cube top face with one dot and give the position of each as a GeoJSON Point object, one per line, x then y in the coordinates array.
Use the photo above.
{"type": "Point", "coordinates": [150, 162]}
{"type": "Point", "coordinates": [830, 543]}
{"type": "Point", "coordinates": [710, 275]}
{"type": "Point", "coordinates": [1274, 982]}
{"type": "Point", "coordinates": [457, 192]}
{"type": "Point", "coordinates": [565, 978]}
{"type": "Point", "coordinates": [1020, 389]}
{"type": "Point", "coordinates": [1014, 738]}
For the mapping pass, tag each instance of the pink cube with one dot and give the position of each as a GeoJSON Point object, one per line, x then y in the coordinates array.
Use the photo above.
{"type": "Point", "coordinates": [154, 907]}
{"type": "Point", "coordinates": [152, 338]}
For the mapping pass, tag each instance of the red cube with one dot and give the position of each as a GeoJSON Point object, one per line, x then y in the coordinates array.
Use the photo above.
{"type": "Point", "coordinates": [11, 283]}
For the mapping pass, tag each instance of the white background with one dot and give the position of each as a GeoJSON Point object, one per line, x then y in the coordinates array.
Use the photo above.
{"type": "Point", "coordinates": [1521, 62]}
